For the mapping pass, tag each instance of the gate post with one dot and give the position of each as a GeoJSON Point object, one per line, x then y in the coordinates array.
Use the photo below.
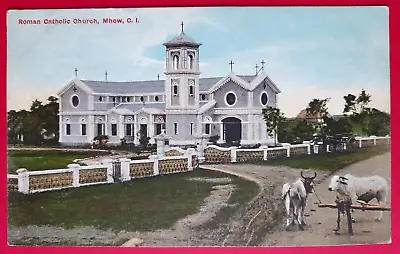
{"type": "Point", "coordinates": [108, 164]}
{"type": "Point", "coordinates": [125, 169]}
{"type": "Point", "coordinates": [75, 174]}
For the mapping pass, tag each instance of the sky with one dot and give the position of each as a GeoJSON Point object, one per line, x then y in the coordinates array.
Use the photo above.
{"type": "Point", "coordinates": [310, 52]}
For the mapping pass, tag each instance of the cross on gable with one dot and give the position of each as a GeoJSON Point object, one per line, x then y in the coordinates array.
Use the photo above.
{"type": "Point", "coordinates": [262, 64]}
{"type": "Point", "coordinates": [106, 75]}
{"type": "Point", "coordinates": [257, 68]}
{"type": "Point", "coordinates": [182, 26]}
{"type": "Point", "coordinates": [76, 72]}
{"type": "Point", "coordinates": [231, 64]}
{"type": "Point", "coordinates": [74, 89]}
{"type": "Point", "coordinates": [158, 76]}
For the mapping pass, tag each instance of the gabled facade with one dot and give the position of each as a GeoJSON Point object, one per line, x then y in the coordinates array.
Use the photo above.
{"type": "Point", "coordinates": [183, 104]}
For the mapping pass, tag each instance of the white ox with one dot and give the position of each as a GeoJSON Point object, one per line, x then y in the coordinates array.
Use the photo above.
{"type": "Point", "coordinates": [295, 197]}
{"type": "Point", "coordinates": [361, 189]}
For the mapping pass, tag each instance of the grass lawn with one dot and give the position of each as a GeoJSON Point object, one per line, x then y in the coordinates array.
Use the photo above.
{"type": "Point", "coordinates": [328, 162]}
{"type": "Point", "coordinates": [41, 160]}
{"type": "Point", "coordinates": [140, 204]}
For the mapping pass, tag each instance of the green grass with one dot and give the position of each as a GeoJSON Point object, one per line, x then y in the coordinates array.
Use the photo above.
{"type": "Point", "coordinates": [140, 204]}
{"type": "Point", "coordinates": [328, 162]}
{"type": "Point", "coordinates": [44, 159]}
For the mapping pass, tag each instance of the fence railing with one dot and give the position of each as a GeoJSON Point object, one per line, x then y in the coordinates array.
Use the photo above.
{"type": "Point", "coordinates": [109, 171]}
{"type": "Point", "coordinates": [174, 160]}
{"type": "Point", "coordinates": [216, 154]}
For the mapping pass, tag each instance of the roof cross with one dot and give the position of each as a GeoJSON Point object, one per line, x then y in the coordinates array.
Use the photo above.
{"type": "Point", "coordinates": [231, 64]}
{"type": "Point", "coordinates": [257, 69]}
{"type": "Point", "coordinates": [106, 75]}
{"type": "Point", "coordinates": [158, 76]}
{"type": "Point", "coordinates": [182, 26]}
{"type": "Point", "coordinates": [76, 71]}
{"type": "Point", "coordinates": [262, 65]}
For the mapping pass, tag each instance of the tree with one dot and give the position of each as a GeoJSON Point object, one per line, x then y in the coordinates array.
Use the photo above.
{"type": "Point", "coordinates": [318, 109]}
{"type": "Point", "coordinates": [333, 127]}
{"type": "Point", "coordinates": [303, 130]}
{"type": "Point", "coordinates": [377, 123]}
{"type": "Point", "coordinates": [273, 117]}
{"type": "Point", "coordinates": [357, 108]}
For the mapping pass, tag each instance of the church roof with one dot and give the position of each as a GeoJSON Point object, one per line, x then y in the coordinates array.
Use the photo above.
{"type": "Point", "coordinates": [148, 86]}
{"type": "Point", "coordinates": [154, 108]}
{"type": "Point", "coordinates": [182, 39]}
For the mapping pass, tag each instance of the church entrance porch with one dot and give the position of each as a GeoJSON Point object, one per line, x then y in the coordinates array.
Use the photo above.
{"type": "Point", "coordinates": [232, 130]}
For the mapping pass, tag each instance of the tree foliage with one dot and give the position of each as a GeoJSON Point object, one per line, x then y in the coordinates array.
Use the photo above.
{"type": "Point", "coordinates": [37, 126]}
{"type": "Point", "coordinates": [273, 117]}
{"type": "Point", "coordinates": [318, 109]}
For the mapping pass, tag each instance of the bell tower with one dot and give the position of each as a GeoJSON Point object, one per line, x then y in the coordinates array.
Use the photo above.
{"type": "Point", "coordinates": [182, 72]}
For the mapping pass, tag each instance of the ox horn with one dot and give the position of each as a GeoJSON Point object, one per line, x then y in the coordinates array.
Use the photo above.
{"type": "Point", "coordinates": [342, 177]}
{"type": "Point", "coordinates": [315, 175]}
{"type": "Point", "coordinates": [301, 173]}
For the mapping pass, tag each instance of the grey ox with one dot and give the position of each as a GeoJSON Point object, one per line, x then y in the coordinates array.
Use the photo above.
{"type": "Point", "coordinates": [361, 189]}
{"type": "Point", "coordinates": [295, 197]}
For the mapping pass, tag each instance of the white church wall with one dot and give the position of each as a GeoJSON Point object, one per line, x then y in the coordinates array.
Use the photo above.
{"type": "Point", "coordinates": [241, 96]}
{"type": "Point", "coordinates": [257, 92]}
{"type": "Point", "coordinates": [66, 100]}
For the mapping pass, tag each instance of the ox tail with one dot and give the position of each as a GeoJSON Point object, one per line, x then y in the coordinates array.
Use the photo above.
{"type": "Point", "coordinates": [285, 190]}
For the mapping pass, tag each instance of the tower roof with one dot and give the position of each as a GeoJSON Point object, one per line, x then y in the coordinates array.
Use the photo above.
{"type": "Point", "coordinates": [182, 40]}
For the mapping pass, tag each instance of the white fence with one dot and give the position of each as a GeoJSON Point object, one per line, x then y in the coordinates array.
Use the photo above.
{"type": "Point", "coordinates": [109, 171]}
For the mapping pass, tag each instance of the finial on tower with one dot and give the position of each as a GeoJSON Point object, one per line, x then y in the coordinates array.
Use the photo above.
{"type": "Point", "coordinates": [182, 26]}
{"type": "Point", "coordinates": [76, 72]}
{"type": "Point", "coordinates": [158, 76]}
{"type": "Point", "coordinates": [106, 75]}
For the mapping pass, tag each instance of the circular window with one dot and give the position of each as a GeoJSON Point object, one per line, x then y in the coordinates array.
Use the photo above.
{"type": "Point", "coordinates": [203, 97]}
{"type": "Point", "coordinates": [156, 98]}
{"type": "Point", "coordinates": [264, 99]}
{"type": "Point", "coordinates": [100, 98]}
{"type": "Point", "coordinates": [230, 99]}
{"type": "Point", "coordinates": [75, 101]}
{"type": "Point", "coordinates": [142, 98]}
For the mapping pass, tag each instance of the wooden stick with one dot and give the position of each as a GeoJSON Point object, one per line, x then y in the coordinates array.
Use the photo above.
{"type": "Point", "coordinates": [359, 207]}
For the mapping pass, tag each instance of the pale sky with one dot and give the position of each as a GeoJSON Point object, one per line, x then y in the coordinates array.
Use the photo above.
{"type": "Point", "coordinates": [311, 52]}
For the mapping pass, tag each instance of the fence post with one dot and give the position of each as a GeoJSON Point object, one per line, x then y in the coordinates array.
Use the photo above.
{"type": "Point", "coordinates": [233, 153]}
{"type": "Point", "coordinates": [125, 169]}
{"type": "Point", "coordinates": [327, 149]}
{"type": "Point", "coordinates": [265, 149]}
{"type": "Point", "coordinates": [344, 146]}
{"type": "Point", "coordinates": [360, 143]}
{"type": "Point", "coordinates": [110, 173]}
{"type": "Point", "coordinates": [374, 137]}
{"type": "Point", "coordinates": [75, 174]}
{"type": "Point", "coordinates": [154, 159]}
{"type": "Point", "coordinates": [23, 180]}
{"type": "Point", "coordinates": [287, 149]}
{"type": "Point", "coordinates": [190, 152]}
{"type": "Point", "coordinates": [315, 149]}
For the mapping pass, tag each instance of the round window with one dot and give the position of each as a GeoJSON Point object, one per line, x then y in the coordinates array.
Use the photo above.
{"type": "Point", "coordinates": [75, 101]}
{"type": "Point", "coordinates": [203, 97]}
{"type": "Point", "coordinates": [231, 99]}
{"type": "Point", "coordinates": [141, 98]}
{"type": "Point", "coordinates": [156, 98]}
{"type": "Point", "coordinates": [264, 99]}
{"type": "Point", "coordinates": [100, 98]}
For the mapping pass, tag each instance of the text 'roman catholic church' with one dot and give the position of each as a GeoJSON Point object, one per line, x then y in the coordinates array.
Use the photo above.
{"type": "Point", "coordinates": [184, 104]}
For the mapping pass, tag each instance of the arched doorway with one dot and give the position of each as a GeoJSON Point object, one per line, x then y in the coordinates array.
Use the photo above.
{"type": "Point", "coordinates": [232, 129]}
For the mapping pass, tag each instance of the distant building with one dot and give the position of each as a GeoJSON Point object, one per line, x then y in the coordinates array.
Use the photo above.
{"type": "Point", "coordinates": [310, 117]}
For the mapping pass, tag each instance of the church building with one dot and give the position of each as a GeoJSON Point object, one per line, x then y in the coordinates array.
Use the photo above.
{"type": "Point", "coordinates": [183, 105]}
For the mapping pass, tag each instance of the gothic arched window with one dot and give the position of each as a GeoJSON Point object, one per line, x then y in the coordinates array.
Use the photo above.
{"type": "Point", "coordinates": [175, 62]}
